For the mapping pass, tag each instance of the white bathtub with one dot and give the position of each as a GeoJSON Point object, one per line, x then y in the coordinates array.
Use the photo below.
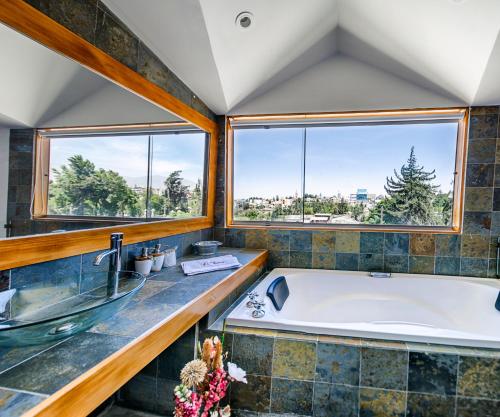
{"type": "Point", "coordinates": [414, 308]}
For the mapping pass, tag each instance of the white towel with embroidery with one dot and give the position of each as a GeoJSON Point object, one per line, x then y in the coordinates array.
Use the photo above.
{"type": "Point", "coordinates": [201, 266]}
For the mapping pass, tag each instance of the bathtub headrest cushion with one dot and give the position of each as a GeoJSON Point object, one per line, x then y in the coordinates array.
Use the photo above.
{"type": "Point", "coordinates": [497, 304]}
{"type": "Point", "coordinates": [278, 292]}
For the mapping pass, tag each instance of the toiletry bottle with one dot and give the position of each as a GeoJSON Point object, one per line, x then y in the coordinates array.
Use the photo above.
{"type": "Point", "coordinates": [144, 262]}
{"type": "Point", "coordinates": [158, 258]}
{"type": "Point", "coordinates": [170, 256]}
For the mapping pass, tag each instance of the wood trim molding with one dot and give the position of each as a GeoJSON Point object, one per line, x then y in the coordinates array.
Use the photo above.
{"type": "Point", "coordinates": [460, 160]}
{"type": "Point", "coordinates": [89, 390]}
{"type": "Point", "coordinates": [30, 22]}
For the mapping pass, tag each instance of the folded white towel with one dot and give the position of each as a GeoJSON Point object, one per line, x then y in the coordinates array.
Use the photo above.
{"type": "Point", "coordinates": [202, 266]}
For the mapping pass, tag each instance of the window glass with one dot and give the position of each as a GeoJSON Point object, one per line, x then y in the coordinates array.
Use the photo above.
{"type": "Point", "coordinates": [268, 170]}
{"type": "Point", "coordinates": [385, 173]}
{"type": "Point", "coordinates": [178, 175]}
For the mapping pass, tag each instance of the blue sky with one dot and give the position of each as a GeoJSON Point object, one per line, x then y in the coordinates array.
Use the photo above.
{"type": "Point", "coordinates": [128, 155]}
{"type": "Point", "coordinates": [339, 159]}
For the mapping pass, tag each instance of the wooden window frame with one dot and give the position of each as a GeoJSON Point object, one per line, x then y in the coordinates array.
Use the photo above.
{"type": "Point", "coordinates": [26, 250]}
{"type": "Point", "coordinates": [410, 114]}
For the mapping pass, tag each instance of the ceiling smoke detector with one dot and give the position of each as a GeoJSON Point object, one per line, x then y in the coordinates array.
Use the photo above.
{"type": "Point", "coordinates": [244, 20]}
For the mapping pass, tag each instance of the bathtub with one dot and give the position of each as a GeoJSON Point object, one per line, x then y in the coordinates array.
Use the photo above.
{"type": "Point", "coordinates": [414, 308]}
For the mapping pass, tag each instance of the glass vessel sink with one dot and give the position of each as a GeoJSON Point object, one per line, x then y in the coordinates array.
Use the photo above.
{"type": "Point", "coordinates": [26, 320]}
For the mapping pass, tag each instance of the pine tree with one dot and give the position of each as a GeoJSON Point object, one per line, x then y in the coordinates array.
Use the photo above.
{"type": "Point", "coordinates": [411, 194]}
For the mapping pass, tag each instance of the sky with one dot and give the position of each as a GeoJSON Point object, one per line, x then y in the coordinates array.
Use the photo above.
{"type": "Point", "coordinates": [128, 155]}
{"type": "Point", "coordinates": [339, 159]}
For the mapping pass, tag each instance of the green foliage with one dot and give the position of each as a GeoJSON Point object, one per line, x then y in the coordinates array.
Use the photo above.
{"type": "Point", "coordinates": [81, 189]}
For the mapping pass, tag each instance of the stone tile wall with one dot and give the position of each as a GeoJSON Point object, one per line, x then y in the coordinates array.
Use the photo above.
{"type": "Point", "coordinates": [470, 254]}
{"type": "Point", "coordinates": [324, 376]}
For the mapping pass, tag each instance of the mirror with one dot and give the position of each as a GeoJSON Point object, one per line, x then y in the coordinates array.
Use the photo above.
{"type": "Point", "coordinates": [78, 151]}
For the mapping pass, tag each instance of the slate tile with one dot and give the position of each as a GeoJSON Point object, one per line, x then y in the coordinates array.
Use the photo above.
{"type": "Point", "coordinates": [235, 238]}
{"type": "Point", "coordinates": [426, 405]}
{"type": "Point", "coordinates": [479, 377]}
{"type": "Point", "coordinates": [56, 367]}
{"type": "Point", "coordinates": [172, 360]}
{"type": "Point", "coordinates": [478, 199]}
{"type": "Point", "coordinates": [477, 223]}
{"type": "Point", "coordinates": [471, 407]}
{"type": "Point", "coordinates": [496, 199]}
{"type": "Point", "coordinates": [396, 263]}
{"type": "Point", "coordinates": [256, 239]}
{"type": "Point", "coordinates": [475, 246]}
{"type": "Point", "coordinates": [482, 151]}
{"type": "Point", "coordinates": [294, 359]}
{"type": "Point", "coordinates": [347, 261]}
{"type": "Point", "coordinates": [347, 242]}
{"type": "Point", "coordinates": [13, 403]}
{"type": "Point", "coordinates": [140, 393]}
{"type": "Point", "coordinates": [254, 396]}
{"type": "Point", "coordinates": [300, 259]}
{"type": "Point", "coordinates": [480, 175]}
{"type": "Point", "coordinates": [381, 403]}
{"type": "Point", "coordinates": [116, 40]}
{"type": "Point", "coordinates": [79, 16]}
{"type": "Point", "coordinates": [483, 126]}
{"type": "Point", "coordinates": [396, 244]}
{"type": "Point", "coordinates": [473, 267]}
{"type": "Point", "coordinates": [422, 244]}
{"type": "Point", "coordinates": [300, 240]}
{"type": "Point", "coordinates": [422, 264]}
{"type": "Point", "coordinates": [447, 266]}
{"type": "Point", "coordinates": [323, 242]}
{"type": "Point", "coordinates": [152, 68]}
{"type": "Point", "coordinates": [384, 368]}
{"type": "Point", "coordinates": [432, 373]}
{"type": "Point", "coordinates": [371, 262]}
{"type": "Point", "coordinates": [279, 259]}
{"type": "Point", "coordinates": [337, 364]}
{"type": "Point", "coordinates": [323, 260]}
{"type": "Point", "coordinates": [289, 396]}
{"type": "Point", "coordinates": [372, 242]}
{"type": "Point", "coordinates": [278, 240]}
{"type": "Point", "coordinates": [335, 400]}
{"type": "Point", "coordinates": [253, 353]}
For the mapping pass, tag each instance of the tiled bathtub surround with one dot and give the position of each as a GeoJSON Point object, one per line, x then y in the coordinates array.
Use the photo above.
{"type": "Point", "coordinates": [74, 275]}
{"type": "Point", "coordinates": [324, 376]}
{"type": "Point", "coordinates": [469, 254]}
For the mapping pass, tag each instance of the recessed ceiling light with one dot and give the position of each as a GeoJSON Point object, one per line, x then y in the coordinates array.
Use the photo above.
{"type": "Point", "coordinates": [244, 20]}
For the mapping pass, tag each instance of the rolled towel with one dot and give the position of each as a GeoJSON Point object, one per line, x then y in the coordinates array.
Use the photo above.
{"type": "Point", "coordinates": [201, 266]}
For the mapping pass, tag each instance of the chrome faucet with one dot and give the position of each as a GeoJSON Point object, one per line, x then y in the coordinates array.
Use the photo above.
{"type": "Point", "coordinates": [115, 262]}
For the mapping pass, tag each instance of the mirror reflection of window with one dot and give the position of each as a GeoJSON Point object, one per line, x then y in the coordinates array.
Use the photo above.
{"type": "Point", "coordinates": [127, 175]}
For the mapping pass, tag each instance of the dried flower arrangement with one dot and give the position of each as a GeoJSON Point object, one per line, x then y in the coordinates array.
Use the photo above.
{"type": "Point", "coordinates": [204, 383]}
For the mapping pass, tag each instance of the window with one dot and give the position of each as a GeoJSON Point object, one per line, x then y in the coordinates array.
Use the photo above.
{"type": "Point", "coordinates": [128, 173]}
{"type": "Point", "coordinates": [378, 170]}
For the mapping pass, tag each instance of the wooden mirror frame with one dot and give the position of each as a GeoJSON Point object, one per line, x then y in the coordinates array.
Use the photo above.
{"type": "Point", "coordinates": [26, 250]}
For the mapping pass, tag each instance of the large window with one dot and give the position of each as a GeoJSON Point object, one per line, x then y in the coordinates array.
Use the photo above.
{"type": "Point", "coordinates": [127, 174]}
{"type": "Point", "coordinates": [379, 170]}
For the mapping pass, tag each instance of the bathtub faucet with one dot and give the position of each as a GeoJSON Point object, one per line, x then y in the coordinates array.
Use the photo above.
{"type": "Point", "coordinates": [380, 274]}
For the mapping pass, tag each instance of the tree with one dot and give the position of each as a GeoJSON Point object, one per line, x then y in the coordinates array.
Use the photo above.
{"type": "Point", "coordinates": [411, 194]}
{"type": "Point", "coordinates": [80, 189]}
{"type": "Point", "coordinates": [176, 193]}
{"type": "Point", "coordinates": [196, 200]}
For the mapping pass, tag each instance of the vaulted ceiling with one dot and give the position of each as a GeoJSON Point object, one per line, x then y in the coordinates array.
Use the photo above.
{"type": "Point", "coordinates": [325, 55]}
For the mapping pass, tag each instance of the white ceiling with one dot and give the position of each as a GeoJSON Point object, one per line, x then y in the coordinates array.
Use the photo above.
{"type": "Point", "coordinates": [356, 54]}
{"type": "Point", "coordinates": [40, 88]}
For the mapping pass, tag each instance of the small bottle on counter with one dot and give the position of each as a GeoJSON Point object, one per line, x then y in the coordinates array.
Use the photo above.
{"type": "Point", "coordinates": [158, 258]}
{"type": "Point", "coordinates": [144, 262]}
{"type": "Point", "coordinates": [170, 256]}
